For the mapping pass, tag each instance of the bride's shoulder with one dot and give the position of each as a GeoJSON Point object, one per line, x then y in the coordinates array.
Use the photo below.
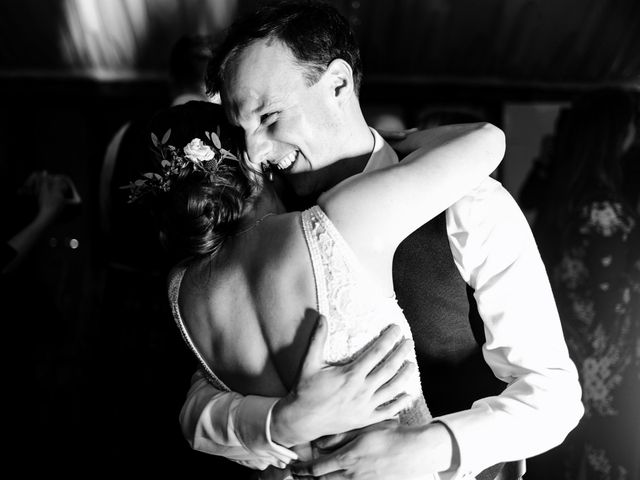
{"type": "Point", "coordinates": [281, 230]}
{"type": "Point", "coordinates": [281, 246]}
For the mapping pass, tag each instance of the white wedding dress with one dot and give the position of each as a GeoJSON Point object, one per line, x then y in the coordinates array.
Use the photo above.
{"type": "Point", "coordinates": [355, 309]}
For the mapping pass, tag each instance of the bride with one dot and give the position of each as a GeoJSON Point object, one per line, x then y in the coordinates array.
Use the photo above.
{"type": "Point", "coordinates": [253, 277]}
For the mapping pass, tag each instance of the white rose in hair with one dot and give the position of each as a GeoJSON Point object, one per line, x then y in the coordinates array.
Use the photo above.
{"type": "Point", "coordinates": [198, 152]}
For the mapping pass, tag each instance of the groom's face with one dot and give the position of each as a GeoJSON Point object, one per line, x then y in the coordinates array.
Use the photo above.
{"type": "Point", "coordinates": [287, 124]}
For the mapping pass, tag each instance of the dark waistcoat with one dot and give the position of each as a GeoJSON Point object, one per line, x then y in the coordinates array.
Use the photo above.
{"type": "Point", "coordinates": [447, 329]}
{"type": "Point", "coordinates": [444, 320]}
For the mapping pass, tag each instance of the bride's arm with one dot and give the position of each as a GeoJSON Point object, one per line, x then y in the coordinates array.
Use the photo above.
{"type": "Point", "coordinates": [375, 211]}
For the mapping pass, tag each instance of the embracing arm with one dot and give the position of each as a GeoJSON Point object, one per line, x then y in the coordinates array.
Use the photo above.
{"type": "Point", "coordinates": [377, 210]}
{"type": "Point", "coordinates": [497, 255]}
{"type": "Point", "coordinates": [252, 430]}
{"type": "Point", "coordinates": [231, 425]}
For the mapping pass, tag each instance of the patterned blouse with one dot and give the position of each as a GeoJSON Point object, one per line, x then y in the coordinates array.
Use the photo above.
{"type": "Point", "coordinates": [596, 281]}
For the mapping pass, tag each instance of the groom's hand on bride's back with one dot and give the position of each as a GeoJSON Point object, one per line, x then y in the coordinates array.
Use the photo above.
{"type": "Point", "coordinates": [329, 399]}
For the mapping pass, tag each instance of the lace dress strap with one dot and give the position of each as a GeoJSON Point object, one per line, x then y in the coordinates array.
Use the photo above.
{"type": "Point", "coordinates": [353, 306]}
{"type": "Point", "coordinates": [310, 225]}
{"type": "Point", "coordinates": [335, 270]}
{"type": "Point", "coordinates": [175, 280]}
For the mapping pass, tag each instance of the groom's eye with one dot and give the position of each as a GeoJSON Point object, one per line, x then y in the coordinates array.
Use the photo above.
{"type": "Point", "coordinates": [269, 118]}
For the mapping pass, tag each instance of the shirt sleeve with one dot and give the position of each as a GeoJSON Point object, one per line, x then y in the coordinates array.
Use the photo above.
{"type": "Point", "coordinates": [231, 425]}
{"type": "Point", "coordinates": [496, 254]}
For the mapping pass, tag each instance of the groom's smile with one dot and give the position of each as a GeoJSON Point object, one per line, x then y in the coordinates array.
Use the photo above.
{"type": "Point", "coordinates": [287, 161]}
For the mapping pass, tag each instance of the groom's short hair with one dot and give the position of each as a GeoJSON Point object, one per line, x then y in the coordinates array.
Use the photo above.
{"type": "Point", "coordinates": [315, 33]}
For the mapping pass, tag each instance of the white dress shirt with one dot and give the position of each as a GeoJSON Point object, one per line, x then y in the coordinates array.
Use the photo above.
{"type": "Point", "coordinates": [496, 254]}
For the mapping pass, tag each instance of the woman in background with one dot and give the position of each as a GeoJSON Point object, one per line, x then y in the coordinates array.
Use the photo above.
{"type": "Point", "coordinates": [590, 241]}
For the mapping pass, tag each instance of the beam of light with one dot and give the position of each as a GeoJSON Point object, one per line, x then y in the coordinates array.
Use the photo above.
{"type": "Point", "coordinates": [107, 38]}
{"type": "Point", "coordinates": [103, 35]}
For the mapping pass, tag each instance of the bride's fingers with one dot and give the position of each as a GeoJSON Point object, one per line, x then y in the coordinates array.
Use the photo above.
{"type": "Point", "coordinates": [396, 385]}
{"type": "Point", "coordinates": [388, 368]}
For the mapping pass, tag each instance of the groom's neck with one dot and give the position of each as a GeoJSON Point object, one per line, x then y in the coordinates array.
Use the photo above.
{"type": "Point", "coordinates": [356, 142]}
{"type": "Point", "coordinates": [303, 189]}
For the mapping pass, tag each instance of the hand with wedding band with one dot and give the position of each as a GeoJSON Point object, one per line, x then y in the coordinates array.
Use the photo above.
{"type": "Point", "coordinates": [330, 399]}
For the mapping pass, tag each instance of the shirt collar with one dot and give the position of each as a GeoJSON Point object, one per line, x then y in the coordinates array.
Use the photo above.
{"type": "Point", "coordinates": [382, 156]}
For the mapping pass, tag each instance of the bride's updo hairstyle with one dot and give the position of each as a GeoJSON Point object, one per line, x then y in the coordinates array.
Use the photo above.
{"type": "Point", "coordinates": [206, 195]}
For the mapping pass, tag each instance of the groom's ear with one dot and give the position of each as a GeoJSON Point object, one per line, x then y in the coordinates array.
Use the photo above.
{"type": "Point", "coordinates": [340, 79]}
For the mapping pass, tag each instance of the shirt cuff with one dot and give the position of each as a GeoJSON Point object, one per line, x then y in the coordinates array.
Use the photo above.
{"type": "Point", "coordinates": [468, 428]}
{"type": "Point", "coordinates": [253, 426]}
{"type": "Point", "coordinates": [458, 473]}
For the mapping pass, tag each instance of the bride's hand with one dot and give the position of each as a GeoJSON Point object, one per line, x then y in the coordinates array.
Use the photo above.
{"type": "Point", "coordinates": [331, 399]}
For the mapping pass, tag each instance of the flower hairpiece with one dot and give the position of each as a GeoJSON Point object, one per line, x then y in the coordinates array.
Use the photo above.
{"type": "Point", "coordinates": [197, 155]}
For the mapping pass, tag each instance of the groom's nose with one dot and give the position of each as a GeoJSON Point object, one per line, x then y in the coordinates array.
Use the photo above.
{"type": "Point", "coordinates": [258, 147]}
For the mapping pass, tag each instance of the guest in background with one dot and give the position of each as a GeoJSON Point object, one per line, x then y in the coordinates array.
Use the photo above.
{"type": "Point", "coordinates": [53, 193]}
{"type": "Point", "coordinates": [590, 241]}
{"type": "Point", "coordinates": [187, 65]}
{"type": "Point", "coordinates": [532, 195]}
{"type": "Point", "coordinates": [139, 351]}
{"type": "Point", "coordinates": [127, 156]}
{"type": "Point", "coordinates": [34, 331]}
{"type": "Point", "coordinates": [631, 171]}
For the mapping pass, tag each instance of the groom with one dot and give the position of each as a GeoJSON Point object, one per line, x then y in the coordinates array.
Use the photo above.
{"type": "Point", "coordinates": [493, 361]}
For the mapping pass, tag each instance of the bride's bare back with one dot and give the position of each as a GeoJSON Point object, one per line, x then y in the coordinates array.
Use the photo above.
{"type": "Point", "coordinates": [256, 303]}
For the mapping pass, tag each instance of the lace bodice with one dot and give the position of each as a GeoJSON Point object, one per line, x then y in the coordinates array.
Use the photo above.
{"type": "Point", "coordinates": [355, 309]}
